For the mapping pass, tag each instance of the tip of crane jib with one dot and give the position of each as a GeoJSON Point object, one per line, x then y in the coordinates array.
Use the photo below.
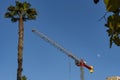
{"type": "Point", "coordinates": [33, 30]}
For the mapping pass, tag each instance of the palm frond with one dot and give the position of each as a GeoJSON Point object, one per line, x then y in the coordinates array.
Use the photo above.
{"type": "Point", "coordinates": [26, 6]}
{"type": "Point", "coordinates": [7, 15]}
{"type": "Point", "coordinates": [31, 17]}
{"type": "Point", "coordinates": [14, 19]}
{"type": "Point", "coordinates": [19, 4]}
{"type": "Point", "coordinates": [11, 8]}
{"type": "Point", "coordinates": [31, 11]}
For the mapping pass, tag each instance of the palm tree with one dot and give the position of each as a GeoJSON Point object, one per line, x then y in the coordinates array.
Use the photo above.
{"type": "Point", "coordinates": [20, 12]}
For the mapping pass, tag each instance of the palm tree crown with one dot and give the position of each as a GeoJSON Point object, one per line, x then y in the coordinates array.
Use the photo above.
{"type": "Point", "coordinates": [23, 9]}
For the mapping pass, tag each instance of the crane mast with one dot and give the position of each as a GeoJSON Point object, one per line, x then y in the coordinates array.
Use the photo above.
{"type": "Point", "coordinates": [79, 62]}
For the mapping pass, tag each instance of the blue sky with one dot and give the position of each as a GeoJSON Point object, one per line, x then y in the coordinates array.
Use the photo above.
{"type": "Point", "coordinates": [73, 24]}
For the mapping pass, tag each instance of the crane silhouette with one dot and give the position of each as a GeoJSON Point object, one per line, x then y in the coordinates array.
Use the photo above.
{"type": "Point", "coordinates": [79, 62]}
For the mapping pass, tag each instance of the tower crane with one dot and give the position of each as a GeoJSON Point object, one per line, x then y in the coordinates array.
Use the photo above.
{"type": "Point", "coordinates": [79, 62]}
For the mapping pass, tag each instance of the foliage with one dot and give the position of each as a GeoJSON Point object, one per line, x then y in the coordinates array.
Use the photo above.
{"type": "Point", "coordinates": [112, 5]}
{"type": "Point", "coordinates": [24, 78]}
{"type": "Point", "coordinates": [23, 9]}
{"type": "Point", "coordinates": [113, 21]}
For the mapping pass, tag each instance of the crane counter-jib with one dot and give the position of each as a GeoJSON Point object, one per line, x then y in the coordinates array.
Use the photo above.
{"type": "Point", "coordinates": [55, 44]}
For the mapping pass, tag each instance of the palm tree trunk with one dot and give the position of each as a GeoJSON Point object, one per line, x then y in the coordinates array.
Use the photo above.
{"type": "Point", "coordinates": [20, 48]}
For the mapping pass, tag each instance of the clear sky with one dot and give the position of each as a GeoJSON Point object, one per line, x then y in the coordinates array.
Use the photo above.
{"type": "Point", "coordinates": [72, 23]}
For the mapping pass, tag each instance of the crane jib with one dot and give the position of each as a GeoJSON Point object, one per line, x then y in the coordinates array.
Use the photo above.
{"type": "Point", "coordinates": [55, 44]}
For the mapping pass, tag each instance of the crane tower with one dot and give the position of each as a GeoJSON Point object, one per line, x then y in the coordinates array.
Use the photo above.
{"type": "Point", "coordinates": [79, 62]}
